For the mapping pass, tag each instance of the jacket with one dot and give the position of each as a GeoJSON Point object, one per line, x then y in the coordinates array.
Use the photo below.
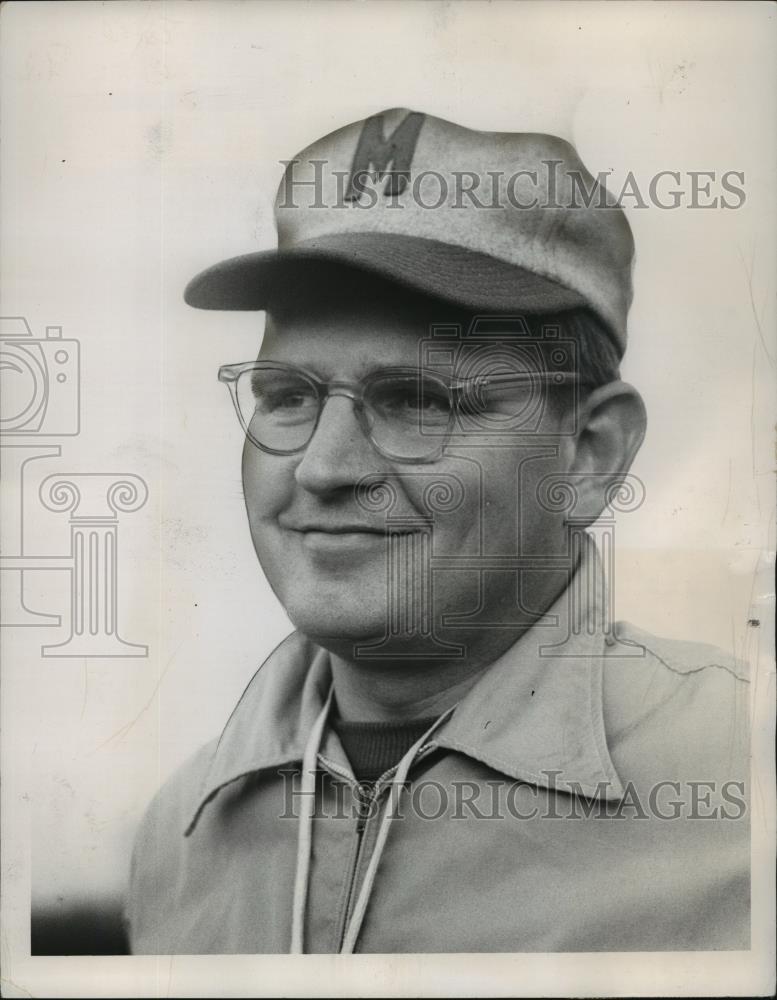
{"type": "Point", "coordinates": [589, 793]}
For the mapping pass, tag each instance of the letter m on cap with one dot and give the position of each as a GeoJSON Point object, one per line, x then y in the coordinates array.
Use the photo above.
{"type": "Point", "coordinates": [378, 151]}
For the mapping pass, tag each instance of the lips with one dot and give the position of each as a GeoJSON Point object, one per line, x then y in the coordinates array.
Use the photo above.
{"type": "Point", "coordinates": [334, 529]}
{"type": "Point", "coordinates": [327, 540]}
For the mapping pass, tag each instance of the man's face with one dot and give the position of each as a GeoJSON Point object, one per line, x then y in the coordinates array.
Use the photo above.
{"type": "Point", "coordinates": [325, 555]}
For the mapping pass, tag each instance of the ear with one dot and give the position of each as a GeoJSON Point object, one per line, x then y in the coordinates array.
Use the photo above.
{"type": "Point", "coordinates": [611, 427]}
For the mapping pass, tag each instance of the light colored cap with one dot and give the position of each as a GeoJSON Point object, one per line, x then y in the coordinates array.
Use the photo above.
{"type": "Point", "coordinates": [493, 221]}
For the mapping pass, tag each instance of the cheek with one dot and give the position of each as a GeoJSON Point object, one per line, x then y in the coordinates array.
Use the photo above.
{"type": "Point", "coordinates": [455, 498]}
{"type": "Point", "coordinates": [500, 510]}
{"type": "Point", "coordinates": [268, 482]}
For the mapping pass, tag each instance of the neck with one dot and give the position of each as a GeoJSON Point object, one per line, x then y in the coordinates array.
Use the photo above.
{"type": "Point", "coordinates": [404, 689]}
{"type": "Point", "coordinates": [378, 692]}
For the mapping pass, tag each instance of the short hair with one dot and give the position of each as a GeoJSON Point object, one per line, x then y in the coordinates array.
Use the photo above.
{"type": "Point", "coordinates": [597, 360]}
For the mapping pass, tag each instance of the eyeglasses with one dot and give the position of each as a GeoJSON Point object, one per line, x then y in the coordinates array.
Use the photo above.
{"type": "Point", "coordinates": [408, 414]}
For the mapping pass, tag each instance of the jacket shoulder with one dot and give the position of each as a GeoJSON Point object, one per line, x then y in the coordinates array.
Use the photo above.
{"type": "Point", "coordinates": [159, 846]}
{"type": "Point", "coordinates": [675, 709]}
{"type": "Point", "coordinates": [680, 656]}
{"type": "Point", "coordinates": [179, 794]}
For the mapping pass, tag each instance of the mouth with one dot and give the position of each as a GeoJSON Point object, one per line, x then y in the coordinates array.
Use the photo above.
{"type": "Point", "coordinates": [335, 529]}
{"type": "Point", "coordinates": [329, 539]}
{"type": "Point", "coordinates": [341, 539]}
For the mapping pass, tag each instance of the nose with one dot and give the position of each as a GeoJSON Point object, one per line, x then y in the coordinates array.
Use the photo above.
{"type": "Point", "coordinates": [338, 454]}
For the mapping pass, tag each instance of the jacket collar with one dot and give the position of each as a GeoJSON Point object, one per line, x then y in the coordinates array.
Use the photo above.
{"type": "Point", "coordinates": [535, 714]}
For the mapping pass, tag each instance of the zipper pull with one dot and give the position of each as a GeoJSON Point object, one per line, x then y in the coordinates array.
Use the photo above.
{"type": "Point", "coordinates": [365, 796]}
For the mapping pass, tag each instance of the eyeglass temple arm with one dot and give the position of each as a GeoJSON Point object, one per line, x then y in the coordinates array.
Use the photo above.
{"type": "Point", "coordinates": [512, 378]}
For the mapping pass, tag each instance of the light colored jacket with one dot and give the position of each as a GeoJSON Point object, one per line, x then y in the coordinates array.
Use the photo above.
{"type": "Point", "coordinates": [589, 793]}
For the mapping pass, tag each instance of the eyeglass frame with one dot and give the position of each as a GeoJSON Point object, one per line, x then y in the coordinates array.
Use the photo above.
{"type": "Point", "coordinates": [456, 387]}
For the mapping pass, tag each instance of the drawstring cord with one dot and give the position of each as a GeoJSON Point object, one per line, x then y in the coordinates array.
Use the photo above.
{"type": "Point", "coordinates": [397, 785]}
{"type": "Point", "coordinates": [305, 835]}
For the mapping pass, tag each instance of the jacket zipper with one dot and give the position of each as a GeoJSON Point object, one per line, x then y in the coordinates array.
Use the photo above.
{"type": "Point", "coordinates": [366, 800]}
{"type": "Point", "coordinates": [366, 803]}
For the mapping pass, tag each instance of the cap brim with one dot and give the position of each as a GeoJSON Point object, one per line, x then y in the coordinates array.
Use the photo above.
{"type": "Point", "coordinates": [465, 277]}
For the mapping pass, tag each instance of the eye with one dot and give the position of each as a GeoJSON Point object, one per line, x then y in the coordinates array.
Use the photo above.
{"type": "Point", "coordinates": [289, 399]}
{"type": "Point", "coordinates": [281, 395]}
{"type": "Point", "coordinates": [410, 399]}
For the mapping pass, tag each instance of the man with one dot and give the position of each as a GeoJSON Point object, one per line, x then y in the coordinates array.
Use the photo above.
{"type": "Point", "coordinates": [457, 750]}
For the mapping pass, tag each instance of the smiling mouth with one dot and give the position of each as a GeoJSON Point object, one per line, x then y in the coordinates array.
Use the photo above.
{"type": "Point", "coordinates": [336, 540]}
{"type": "Point", "coordinates": [345, 540]}
{"type": "Point", "coordinates": [345, 529]}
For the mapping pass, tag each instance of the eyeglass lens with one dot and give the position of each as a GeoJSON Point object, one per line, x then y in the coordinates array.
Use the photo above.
{"type": "Point", "coordinates": [404, 414]}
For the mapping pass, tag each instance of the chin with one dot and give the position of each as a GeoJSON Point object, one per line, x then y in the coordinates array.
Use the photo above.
{"type": "Point", "coordinates": [336, 625]}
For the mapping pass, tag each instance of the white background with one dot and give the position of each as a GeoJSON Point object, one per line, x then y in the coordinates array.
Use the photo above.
{"type": "Point", "coordinates": [141, 143]}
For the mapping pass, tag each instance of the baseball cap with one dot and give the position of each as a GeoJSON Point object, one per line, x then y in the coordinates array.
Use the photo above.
{"type": "Point", "coordinates": [491, 221]}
